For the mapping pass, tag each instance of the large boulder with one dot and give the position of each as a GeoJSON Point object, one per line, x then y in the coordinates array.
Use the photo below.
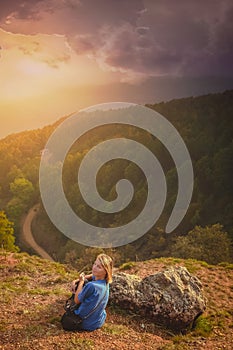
{"type": "Point", "coordinates": [172, 297]}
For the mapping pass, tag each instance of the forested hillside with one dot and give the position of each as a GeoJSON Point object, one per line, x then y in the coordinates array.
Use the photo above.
{"type": "Point", "coordinates": [205, 124]}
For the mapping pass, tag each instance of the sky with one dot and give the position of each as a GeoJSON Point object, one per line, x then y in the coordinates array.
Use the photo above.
{"type": "Point", "coordinates": [59, 56]}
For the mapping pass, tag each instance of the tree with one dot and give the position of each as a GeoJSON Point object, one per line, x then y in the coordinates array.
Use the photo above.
{"type": "Point", "coordinates": [15, 209]}
{"type": "Point", "coordinates": [23, 189]}
{"type": "Point", "coordinates": [7, 239]}
{"type": "Point", "coordinates": [14, 173]}
{"type": "Point", "coordinates": [210, 244]}
{"type": "Point", "coordinates": [23, 192]}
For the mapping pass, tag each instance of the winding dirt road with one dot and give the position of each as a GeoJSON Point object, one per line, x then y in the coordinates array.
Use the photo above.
{"type": "Point", "coordinates": [27, 233]}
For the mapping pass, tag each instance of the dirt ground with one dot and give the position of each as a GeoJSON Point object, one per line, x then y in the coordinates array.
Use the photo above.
{"type": "Point", "coordinates": [33, 291]}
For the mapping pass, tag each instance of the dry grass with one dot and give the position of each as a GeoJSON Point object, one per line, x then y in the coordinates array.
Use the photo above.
{"type": "Point", "coordinates": [33, 291]}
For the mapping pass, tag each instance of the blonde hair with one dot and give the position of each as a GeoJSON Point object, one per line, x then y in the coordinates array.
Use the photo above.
{"type": "Point", "coordinates": [107, 263]}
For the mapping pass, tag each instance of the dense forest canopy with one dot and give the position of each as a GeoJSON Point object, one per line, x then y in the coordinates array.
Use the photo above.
{"type": "Point", "coordinates": [206, 125]}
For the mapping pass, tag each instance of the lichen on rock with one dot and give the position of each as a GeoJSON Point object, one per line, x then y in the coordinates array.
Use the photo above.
{"type": "Point", "coordinates": [172, 297]}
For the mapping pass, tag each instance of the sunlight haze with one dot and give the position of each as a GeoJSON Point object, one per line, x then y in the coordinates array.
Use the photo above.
{"type": "Point", "coordinates": [59, 57]}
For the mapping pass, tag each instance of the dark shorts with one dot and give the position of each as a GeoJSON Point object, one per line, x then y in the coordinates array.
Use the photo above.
{"type": "Point", "coordinates": [71, 322]}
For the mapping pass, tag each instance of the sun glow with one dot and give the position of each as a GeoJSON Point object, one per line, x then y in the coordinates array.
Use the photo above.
{"type": "Point", "coordinates": [33, 68]}
{"type": "Point", "coordinates": [26, 78]}
{"type": "Point", "coordinates": [41, 76]}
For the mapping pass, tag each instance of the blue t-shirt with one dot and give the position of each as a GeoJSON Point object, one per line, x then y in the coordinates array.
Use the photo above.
{"type": "Point", "coordinates": [89, 297]}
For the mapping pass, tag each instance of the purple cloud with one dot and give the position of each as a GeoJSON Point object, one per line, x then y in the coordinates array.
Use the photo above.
{"type": "Point", "coordinates": [148, 38]}
{"type": "Point", "coordinates": [27, 9]}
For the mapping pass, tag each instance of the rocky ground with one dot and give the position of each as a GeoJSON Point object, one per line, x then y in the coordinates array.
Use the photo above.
{"type": "Point", "coordinates": [33, 291]}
